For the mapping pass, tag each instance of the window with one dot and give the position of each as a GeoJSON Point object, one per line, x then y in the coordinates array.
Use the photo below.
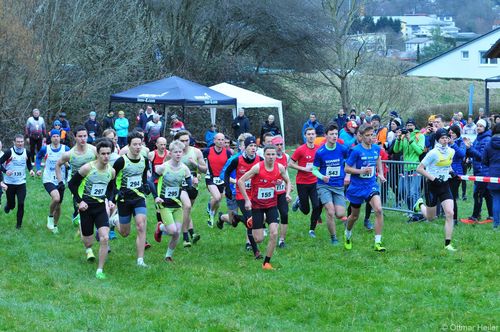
{"type": "Point", "coordinates": [486, 61]}
{"type": "Point", "coordinates": [465, 55]}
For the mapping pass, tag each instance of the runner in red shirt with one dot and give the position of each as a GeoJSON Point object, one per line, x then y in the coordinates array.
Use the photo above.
{"type": "Point", "coordinates": [283, 159]}
{"type": "Point", "coordinates": [302, 161]}
{"type": "Point", "coordinates": [265, 176]}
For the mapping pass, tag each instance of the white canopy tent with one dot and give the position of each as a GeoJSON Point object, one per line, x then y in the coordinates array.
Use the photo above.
{"type": "Point", "coordinates": [247, 99]}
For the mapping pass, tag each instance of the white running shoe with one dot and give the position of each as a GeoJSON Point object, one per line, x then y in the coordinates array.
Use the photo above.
{"type": "Point", "coordinates": [50, 223]}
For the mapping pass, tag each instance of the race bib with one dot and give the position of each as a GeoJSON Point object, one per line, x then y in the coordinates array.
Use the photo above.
{"type": "Point", "coordinates": [134, 182]}
{"type": "Point", "coordinates": [18, 172]}
{"type": "Point", "coordinates": [333, 171]}
{"type": "Point", "coordinates": [98, 190]}
{"type": "Point", "coordinates": [248, 184]}
{"type": "Point", "coordinates": [265, 193]}
{"type": "Point", "coordinates": [217, 181]}
{"type": "Point", "coordinates": [171, 192]}
{"type": "Point", "coordinates": [280, 187]}
{"type": "Point", "coordinates": [367, 176]}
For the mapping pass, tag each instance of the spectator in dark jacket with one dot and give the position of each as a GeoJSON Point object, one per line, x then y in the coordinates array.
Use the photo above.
{"type": "Point", "coordinates": [109, 120]}
{"type": "Point", "coordinates": [457, 144]}
{"type": "Point", "coordinates": [341, 118]}
{"type": "Point", "coordinates": [64, 122]}
{"type": "Point", "coordinates": [491, 159]}
{"type": "Point", "coordinates": [240, 124]}
{"type": "Point", "coordinates": [475, 152]}
{"type": "Point", "coordinates": [269, 127]}
{"type": "Point", "coordinates": [312, 123]}
{"type": "Point", "coordinates": [93, 128]}
{"type": "Point", "coordinates": [146, 117]}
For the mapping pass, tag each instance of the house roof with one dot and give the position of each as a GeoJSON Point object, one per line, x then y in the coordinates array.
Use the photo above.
{"type": "Point", "coordinates": [418, 40]}
{"type": "Point", "coordinates": [494, 51]}
{"type": "Point", "coordinates": [452, 50]}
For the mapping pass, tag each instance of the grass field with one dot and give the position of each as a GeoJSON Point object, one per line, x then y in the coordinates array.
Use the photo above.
{"type": "Point", "coordinates": [47, 285]}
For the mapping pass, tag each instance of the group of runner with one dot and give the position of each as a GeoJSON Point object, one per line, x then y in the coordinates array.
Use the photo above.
{"type": "Point", "coordinates": [109, 186]}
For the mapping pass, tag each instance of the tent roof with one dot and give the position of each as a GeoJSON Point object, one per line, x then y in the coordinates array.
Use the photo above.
{"type": "Point", "coordinates": [173, 91]}
{"type": "Point", "coordinates": [246, 98]}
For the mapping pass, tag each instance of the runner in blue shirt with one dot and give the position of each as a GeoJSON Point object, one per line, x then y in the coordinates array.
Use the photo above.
{"type": "Point", "coordinates": [362, 164]}
{"type": "Point", "coordinates": [328, 167]}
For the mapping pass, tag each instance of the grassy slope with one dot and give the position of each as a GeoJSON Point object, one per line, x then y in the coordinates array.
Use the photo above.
{"type": "Point", "coordinates": [46, 283]}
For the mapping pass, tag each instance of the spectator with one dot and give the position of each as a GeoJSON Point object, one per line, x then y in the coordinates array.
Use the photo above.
{"type": "Point", "coordinates": [437, 123]}
{"type": "Point", "coordinates": [411, 143]}
{"type": "Point", "coordinates": [481, 115]}
{"type": "Point", "coordinates": [461, 119]}
{"type": "Point", "coordinates": [381, 132]}
{"type": "Point", "coordinates": [176, 125]}
{"type": "Point", "coordinates": [348, 133]}
{"type": "Point", "coordinates": [491, 159]}
{"type": "Point", "coordinates": [64, 135]}
{"type": "Point", "coordinates": [391, 134]}
{"type": "Point", "coordinates": [341, 118]}
{"type": "Point", "coordinates": [109, 120]}
{"type": "Point", "coordinates": [64, 122]}
{"type": "Point", "coordinates": [394, 115]}
{"type": "Point", "coordinates": [475, 152]}
{"type": "Point", "coordinates": [240, 124]}
{"type": "Point", "coordinates": [353, 116]}
{"type": "Point", "coordinates": [312, 123]}
{"type": "Point", "coordinates": [93, 128]}
{"type": "Point", "coordinates": [395, 168]}
{"type": "Point", "coordinates": [121, 127]}
{"type": "Point", "coordinates": [369, 115]}
{"type": "Point", "coordinates": [35, 132]}
{"type": "Point", "coordinates": [470, 129]}
{"type": "Point", "coordinates": [146, 117]}
{"type": "Point", "coordinates": [269, 126]}
{"type": "Point", "coordinates": [362, 118]}
{"type": "Point", "coordinates": [457, 144]}
{"type": "Point", "coordinates": [496, 119]}
{"type": "Point", "coordinates": [140, 111]}
{"type": "Point", "coordinates": [153, 131]}
{"type": "Point", "coordinates": [210, 134]}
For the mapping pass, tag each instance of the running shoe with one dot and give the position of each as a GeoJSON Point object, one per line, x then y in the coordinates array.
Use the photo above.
{"type": "Point", "coordinates": [169, 259]}
{"type": "Point", "coordinates": [100, 275]}
{"type": "Point", "coordinates": [158, 232]}
{"type": "Point", "coordinates": [379, 247]}
{"type": "Point", "coordinates": [147, 245]}
{"type": "Point", "coordinates": [334, 241]}
{"type": "Point", "coordinates": [368, 225]}
{"type": "Point", "coordinates": [416, 207]}
{"type": "Point", "coordinates": [282, 244]}
{"type": "Point", "coordinates": [248, 246]}
{"type": "Point", "coordinates": [112, 235]}
{"type": "Point", "coordinates": [55, 230]}
{"type": "Point", "coordinates": [450, 248]}
{"type": "Point", "coordinates": [208, 208]}
{"type": "Point", "coordinates": [470, 220]}
{"type": "Point", "coordinates": [76, 220]}
{"type": "Point", "coordinates": [267, 266]}
{"type": "Point", "coordinates": [347, 243]}
{"type": "Point", "coordinates": [142, 264]}
{"type": "Point", "coordinates": [296, 204]}
{"type": "Point", "coordinates": [210, 222]}
{"type": "Point", "coordinates": [196, 238]}
{"type": "Point", "coordinates": [50, 223]}
{"type": "Point", "coordinates": [312, 234]}
{"type": "Point", "coordinates": [90, 255]}
{"type": "Point", "coordinates": [486, 221]}
{"type": "Point", "coordinates": [187, 244]}
{"type": "Point", "coordinates": [220, 222]}
{"type": "Point", "coordinates": [258, 255]}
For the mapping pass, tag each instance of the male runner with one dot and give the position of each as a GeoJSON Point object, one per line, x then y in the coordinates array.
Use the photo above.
{"type": "Point", "coordinates": [193, 159]}
{"type": "Point", "coordinates": [78, 156]}
{"type": "Point", "coordinates": [14, 163]}
{"type": "Point", "coordinates": [216, 157]}
{"type": "Point", "coordinates": [242, 164]}
{"type": "Point", "coordinates": [93, 189]}
{"type": "Point", "coordinates": [328, 167]}
{"type": "Point", "coordinates": [361, 164]}
{"type": "Point", "coordinates": [51, 154]}
{"type": "Point", "coordinates": [264, 177]}
{"type": "Point", "coordinates": [173, 173]}
{"type": "Point", "coordinates": [131, 181]}
{"type": "Point", "coordinates": [302, 161]}
{"type": "Point", "coordinates": [283, 159]}
{"type": "Point", "coordinates": [156, 158]}
{"type": "Point", "coordinates": [436, 167]}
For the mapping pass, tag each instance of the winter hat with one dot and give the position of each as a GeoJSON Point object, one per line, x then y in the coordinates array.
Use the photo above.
{"type": "Point", "coordinates": [57, 123]}
{"type": "Point", "coordinates": [456, 129]}
{"type": "Point", "coordinates": [440, 133]}
{"type": "Point", "coordinates": [250, 140]}
{"type": "Point", "coordinates": [55, 132]}
{"type": "Point", "coordinates": [483, 123]}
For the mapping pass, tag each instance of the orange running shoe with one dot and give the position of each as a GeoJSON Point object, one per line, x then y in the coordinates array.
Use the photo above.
{"type": "Point", "coordinates": [267, 266]}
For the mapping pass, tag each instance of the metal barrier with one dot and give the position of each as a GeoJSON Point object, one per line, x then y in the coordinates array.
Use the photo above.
{"type": "Point", "coordinates": [404, 186]}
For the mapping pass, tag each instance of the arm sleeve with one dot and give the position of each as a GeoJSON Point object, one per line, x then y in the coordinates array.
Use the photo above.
{"type": "Point", "coordinates": [145, 173]}
{"type": "Point", "coordinates": [110, 190]}
{"type": "Point", "coordinates": [316, 172]}
{"type": "Point", "coordinates": [28, 161]}
{"type": "Point", "coordinates": [73, 185]}
{"type": "Point", "coordinates": [119, 164]}
{"type": "Point", "coordinates": [5, 156]}
{"type": "Point", "coordinates": [39, 157]}
{"type": "Point", "coordinates": [228, 170]}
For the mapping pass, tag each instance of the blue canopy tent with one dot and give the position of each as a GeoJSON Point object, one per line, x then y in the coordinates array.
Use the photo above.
{"type": "Point", "coordinates": [174, 91]}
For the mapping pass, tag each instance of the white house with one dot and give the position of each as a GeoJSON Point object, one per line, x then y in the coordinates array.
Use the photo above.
{"type": "Point", "coordinates": [415, 43]}
{"type": "Point", "coordinates": [465, 61]}
{"type": "Point", "coordinates": [423, 25]}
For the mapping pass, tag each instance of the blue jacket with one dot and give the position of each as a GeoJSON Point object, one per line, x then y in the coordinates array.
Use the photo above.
{"type": "Point", "coordinates": [209, 137]}
{"type": "Point", "coordinates": [320, 131]}
{"type": "Point", "coordinates": [349, 139]}
{"type": "Point", "coordinates": [121, 127]}
{"type": "Point", "coordinates": [458, 159]}
{"type": "Point", "coordinates": [491, 159]}
{"type": "Point", "coordinates": [476, 153]}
